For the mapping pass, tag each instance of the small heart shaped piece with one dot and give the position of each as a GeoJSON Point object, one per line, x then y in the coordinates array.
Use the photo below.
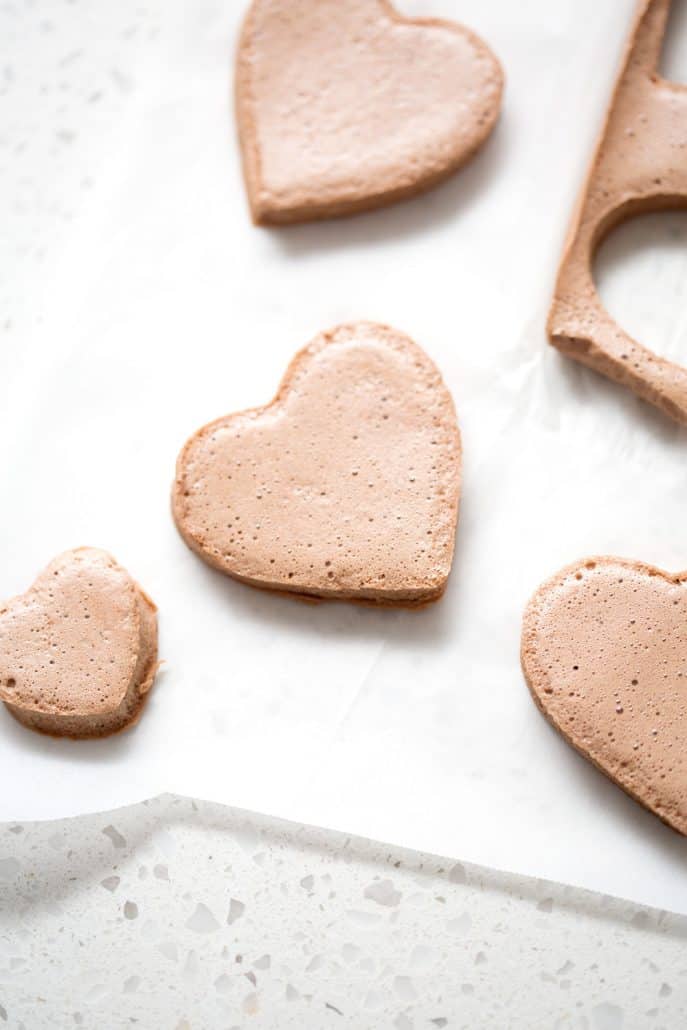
{"type": "Point", "coordinates": [345, 105]}
{"type": "Point", "coordinates": [604, 651]}
{"type": "Point", "coordinates": [78, 650]}
{"type": "Point", "coordinates": [346, 486]}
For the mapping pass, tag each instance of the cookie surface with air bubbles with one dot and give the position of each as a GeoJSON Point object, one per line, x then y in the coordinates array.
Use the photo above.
{"type": "Point", "coordinates": [346, 486]}
{"type": "Point", "coordinates": [346, 105]}
{"type": "Point", "coordinates": [78, 650]}
{"type": "Point", "coordinates": [639, 166]}
{"type": "Point", "coordinates": [604, 651]}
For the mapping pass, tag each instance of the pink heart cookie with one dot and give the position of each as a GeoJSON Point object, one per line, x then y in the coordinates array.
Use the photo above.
{"type": "Point", "coordinates": [346, 486]}
{"type": "Point", "coordinates": [78, 650]}
{"type": "Point", "coordinates": [604, 651]}
{"type": "Point", "coordinates": [345, 105]}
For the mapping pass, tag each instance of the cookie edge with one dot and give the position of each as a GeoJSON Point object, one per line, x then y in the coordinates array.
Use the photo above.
{"type": "Point", "coordinates": [266, 211]}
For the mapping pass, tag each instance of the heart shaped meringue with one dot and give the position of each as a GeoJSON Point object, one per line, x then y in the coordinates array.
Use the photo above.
{"type": "Point", "coordinates": [344, 105]}
{"type": "Point", "coordinates": [78, 650]}
{"type": "Point", "coordinates": [346, 486]}
{"type": "Point", "coordinates": [604, 651]}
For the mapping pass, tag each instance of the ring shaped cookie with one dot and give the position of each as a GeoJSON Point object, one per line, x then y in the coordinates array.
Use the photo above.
{"type": "Point", "coordinates": [640, 165]}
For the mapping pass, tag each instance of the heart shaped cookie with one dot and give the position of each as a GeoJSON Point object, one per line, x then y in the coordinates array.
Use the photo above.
{"type": "Point", "coordinates": [78, 650]}
{"type": "Point", "coordinates": [344, 105]}
{"type": "Point", "coordinates": [346, 486]}
{"type": "Point", "coordinates": [604, 651]}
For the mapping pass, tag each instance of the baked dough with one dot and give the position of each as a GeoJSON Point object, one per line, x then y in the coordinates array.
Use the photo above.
{"type": "Point", "coordinates": [344, 105]}
{"type": "Point", "coordinates": [604, 651]}
{"type": "Point", "coordinates": [78, 650]}
{"type": "Point", "coordinates": [346, 486]}
{"type": "Point", "coordinates": [640, 165]}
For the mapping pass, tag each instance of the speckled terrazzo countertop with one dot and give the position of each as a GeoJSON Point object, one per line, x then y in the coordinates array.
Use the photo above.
{"type": "Point", "coordinates": [182, 915]}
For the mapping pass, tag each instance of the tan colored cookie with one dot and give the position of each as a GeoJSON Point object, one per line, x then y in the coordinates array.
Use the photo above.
{"type": "Point", "coordinates": [346, 486]}
{"type": "Point", "coordinates": [344, 105]}
{"type": "Point", "coordinates": [604, 651]}
{"type": "Point", "coordinates": [78, 650]}
{"type": "Point", "coordinates": [640, 165]}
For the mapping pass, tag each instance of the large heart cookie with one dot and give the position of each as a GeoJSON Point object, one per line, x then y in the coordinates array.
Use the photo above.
{"type": "Point", "coordinates": [78, 651]}
{"type": "Point", "coordinates": [345, 105]}
{"type": "Point", "coordinates": [604, 650]}
{"type": "Point", "coordinates": [345, 486]}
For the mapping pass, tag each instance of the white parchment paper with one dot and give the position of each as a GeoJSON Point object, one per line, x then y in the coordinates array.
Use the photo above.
{"type": "Point", "coordinates": [138, 302]}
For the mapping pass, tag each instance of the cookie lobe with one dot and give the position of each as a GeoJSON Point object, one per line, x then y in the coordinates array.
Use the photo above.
{"type": "Point", "coordinates": [78, 650]}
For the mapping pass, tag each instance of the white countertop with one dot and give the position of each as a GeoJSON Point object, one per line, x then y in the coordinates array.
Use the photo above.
{"type": "Point", "coordinates": [182, 915]}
